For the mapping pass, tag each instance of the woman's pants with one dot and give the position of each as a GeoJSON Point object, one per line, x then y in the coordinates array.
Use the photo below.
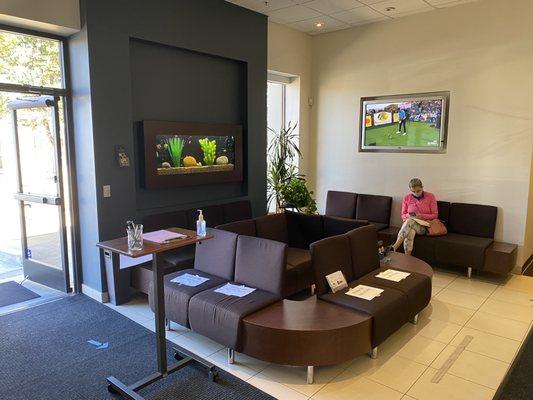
{"type": "Point", "coordinates": [410, 228]}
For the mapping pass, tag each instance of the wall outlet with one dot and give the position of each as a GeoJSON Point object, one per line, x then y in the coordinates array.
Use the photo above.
{"type": "Point", "coordinates": [107, 190]}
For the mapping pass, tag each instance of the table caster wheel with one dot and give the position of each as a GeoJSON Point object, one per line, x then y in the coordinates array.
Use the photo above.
{"type": "Point", "coordinates": [111, 389]}
{"type": "Point", "coordinates": [213, 376]}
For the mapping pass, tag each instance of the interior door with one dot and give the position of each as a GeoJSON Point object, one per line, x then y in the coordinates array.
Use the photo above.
{"type": "Point", "coordinates": [40, 190]}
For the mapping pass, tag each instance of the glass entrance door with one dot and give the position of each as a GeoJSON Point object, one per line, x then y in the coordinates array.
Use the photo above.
{"type": "Point", "coordinates": [37, 142]}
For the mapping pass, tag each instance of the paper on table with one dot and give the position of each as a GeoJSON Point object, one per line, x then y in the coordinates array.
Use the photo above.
{"type": "Point", "coordinates": [364, 292]}
{"type": "Point", "coordinates": [235, 290]}
{"type": "Point", "coordinates": [393, 275]}
{"type": "Point", "coordinates": [189, 279]}
{"type": "Point", "coordinates": [163, 236]}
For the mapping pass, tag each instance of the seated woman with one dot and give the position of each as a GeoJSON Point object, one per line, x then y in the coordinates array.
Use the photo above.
{"type": "Point", "coordinates": [418, 204]}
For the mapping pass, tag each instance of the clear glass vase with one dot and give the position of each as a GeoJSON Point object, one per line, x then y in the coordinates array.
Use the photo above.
{"type": "Point", "coordinates": [135, 237]}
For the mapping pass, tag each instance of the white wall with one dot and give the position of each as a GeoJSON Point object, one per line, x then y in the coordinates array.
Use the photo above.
{"type": "Point", "coordinates": [483, 54]}
{"type": "Point", "coordinates": [61, 17]}
{"type": "Point", "coordinates": [289, 52]}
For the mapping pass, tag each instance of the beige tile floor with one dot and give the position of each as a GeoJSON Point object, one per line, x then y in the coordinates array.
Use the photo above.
{"type": "Point", "coordinates": [497, 314]}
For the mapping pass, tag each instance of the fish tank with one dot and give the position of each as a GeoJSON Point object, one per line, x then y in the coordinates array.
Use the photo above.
{"type": "Point", "coordinates": [183, 154]}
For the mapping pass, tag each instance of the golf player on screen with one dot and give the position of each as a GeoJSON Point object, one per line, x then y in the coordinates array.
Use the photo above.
{"type": "Point", "coordinates": [403, 119]}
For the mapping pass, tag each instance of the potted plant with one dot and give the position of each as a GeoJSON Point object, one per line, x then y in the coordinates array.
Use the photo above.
{"type": "Point", "coordinates": [296, 195]}
{"type": "Point", "coordinates": [283, 154]}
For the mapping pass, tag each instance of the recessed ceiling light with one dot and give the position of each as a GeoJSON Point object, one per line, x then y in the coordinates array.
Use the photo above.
{"type": "Point", "coordinates": [319, 24]}
{"type": "Point", "coordinates": [390, 9]}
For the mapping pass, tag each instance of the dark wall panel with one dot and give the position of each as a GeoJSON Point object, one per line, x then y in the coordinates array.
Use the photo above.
{"type": "Point", "coordinates": [122, 89]}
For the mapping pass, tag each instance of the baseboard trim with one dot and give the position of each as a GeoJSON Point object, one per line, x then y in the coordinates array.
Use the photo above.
{"type": "Point", "coordinates": [102, 297]}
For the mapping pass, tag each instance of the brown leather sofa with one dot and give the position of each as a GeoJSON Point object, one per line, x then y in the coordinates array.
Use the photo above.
{"type": "Point", "coordinates": [298, 231]}
{"type": "Point", "coordinates": [182, 258]}
{"type": "Point", "coordinates": [228, 257]}
{"type": "Point", "coordinates": [469, 242]}
{"type": "Point", "coordinates": [355, 254]}
{"type": "Point", "coordinates": [373, 208]}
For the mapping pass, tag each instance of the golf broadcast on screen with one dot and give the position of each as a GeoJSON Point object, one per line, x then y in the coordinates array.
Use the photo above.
{"type": "Point", "coordinates": [408, 123]}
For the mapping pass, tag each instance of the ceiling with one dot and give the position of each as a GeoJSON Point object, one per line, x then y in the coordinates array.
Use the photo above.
{"type": "Point", "coordinates": [333, 15]}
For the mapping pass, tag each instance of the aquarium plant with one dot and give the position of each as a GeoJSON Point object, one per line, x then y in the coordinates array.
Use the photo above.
{"type": "Point", "coordinates": [296, 195]}
{"type": "Point", "coordinates": [209, 147]}
{"type": "Point", "coordinates": [175, 148]}
{"type": "Point", "coordinates": [282, 162]}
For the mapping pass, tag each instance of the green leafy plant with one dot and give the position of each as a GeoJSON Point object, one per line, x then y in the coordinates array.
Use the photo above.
{"type": "Point", "coordinates": [175, 148]}
{"type": "Point", "coordinates": [296, 195]}
{"type": "Point", "coordinates": [283, 153]}
{"type": "Point", "coordinates": [209, 147]}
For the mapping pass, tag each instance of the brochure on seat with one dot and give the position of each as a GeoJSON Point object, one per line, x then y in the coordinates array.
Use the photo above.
{"type": "Point", "coordinates": [420, 221]}
{"type": "Point", "coordinates": [393, 275]}
{"type": "Point", "coordinates": [364, 292]}
{"type": "Point", "coordinates": [189, 280]}
{"type": "Point", "coordinates": [163, 236]}
{"type": "Point", "coordinates": [230, 289]}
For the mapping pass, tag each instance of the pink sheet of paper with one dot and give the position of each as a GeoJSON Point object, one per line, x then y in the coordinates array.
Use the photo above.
{"type": "Point", "coordinates": [163, 236]}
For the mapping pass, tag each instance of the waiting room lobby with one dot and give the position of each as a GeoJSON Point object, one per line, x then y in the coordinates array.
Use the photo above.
{"type": "Point", "coordinates": [282, 199]}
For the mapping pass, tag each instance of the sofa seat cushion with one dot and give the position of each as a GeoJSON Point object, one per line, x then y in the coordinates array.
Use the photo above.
{"type": "Point", "coordinates": [378, 225]}
{"type": "Point", "coordinates": [177, 296]}
{"type": "Point", "coordinates": [299, 271]}
{"type": "Point", "coordinates": [416, 287]}
{"type": "Point", "coordinates": [424, 247]}
{"type": "Point", "coordinates": [389, 311]}
{"type": "Point", "coordinates": [219, 316]}
{"type": "Point", "coordinates": [461, 250]}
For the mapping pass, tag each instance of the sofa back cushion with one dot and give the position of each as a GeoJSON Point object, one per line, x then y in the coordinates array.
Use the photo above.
{"type": "Point", "coordinates": [217, 256]}
{"type": "Point", "coordinates": [260, 263]}
{"type": "Point", "coordinates": [273, 227]}
{"type": "Point", "coordinates": [337, 225]}
{"type": "Point", "coordinates": [213, 215]}
{"type": "Point", "coordinates": [172, 219]}
{"type": "Point", "coordinates": [303, 229]}
{"type": "Point", "coordinates": [444, 211]}
{"type": "Point", "coordinates": [364, 249]}
{"type": "Point", "coordinates": [373, 208]}
{"type": "Point", "coordinates": [330, 255]}
{"type": "Point", "coordinates": [244, 227]}
{"type": "Point", "coordinates": [237, 211]}
{"type": "Point", "coordinates": [341, 204]}
{"type": "Point", "coordinates": [473, 219]}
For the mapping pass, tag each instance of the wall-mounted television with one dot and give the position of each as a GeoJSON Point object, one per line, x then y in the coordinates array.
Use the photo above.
{"type": "Point", "coordinates": [415, 123]}
{"type": "Point", "coordinates": [175, 154]}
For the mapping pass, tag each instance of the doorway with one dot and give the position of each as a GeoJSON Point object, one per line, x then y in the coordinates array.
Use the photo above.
{"type": "Point", "coordinates": [36, 242]}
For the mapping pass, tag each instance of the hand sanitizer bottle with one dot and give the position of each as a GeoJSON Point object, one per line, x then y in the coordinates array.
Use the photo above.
{"type": "Point", "coordinates": [200, 225]}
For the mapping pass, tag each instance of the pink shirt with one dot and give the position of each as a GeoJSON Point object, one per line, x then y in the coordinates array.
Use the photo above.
{"type": "Point", "coordinates": [426, 207]}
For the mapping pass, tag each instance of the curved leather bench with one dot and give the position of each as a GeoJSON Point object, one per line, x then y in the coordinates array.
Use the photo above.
{"type": "Point", "coordinates": [315, 332]}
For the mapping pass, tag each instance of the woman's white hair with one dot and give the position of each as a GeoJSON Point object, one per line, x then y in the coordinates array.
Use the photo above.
{"type": "Point", "coordinates": [415, 182]}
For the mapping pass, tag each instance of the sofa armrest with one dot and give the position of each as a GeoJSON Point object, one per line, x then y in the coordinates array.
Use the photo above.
{"type": "Point", "coordinates": [338, 225]}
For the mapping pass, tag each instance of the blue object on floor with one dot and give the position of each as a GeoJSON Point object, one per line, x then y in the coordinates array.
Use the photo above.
{"type": "Point", "coordinates": [99, 345]}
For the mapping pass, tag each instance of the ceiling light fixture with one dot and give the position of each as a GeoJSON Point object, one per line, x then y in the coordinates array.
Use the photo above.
{"type": "Point", "coordinates": [319, 24]}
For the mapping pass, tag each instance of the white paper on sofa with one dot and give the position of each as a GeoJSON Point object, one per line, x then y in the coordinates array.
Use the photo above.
{"type": "Point", "coordinates": [393, 275]}
{"type": "Point", "coordinates": [364, 292]}
{"type": "Point", "coordinates": [189, 280]}
{"type": "Point", "coordinates": [230, 289]}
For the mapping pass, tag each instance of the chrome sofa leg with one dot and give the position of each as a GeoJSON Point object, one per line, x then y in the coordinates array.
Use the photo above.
{"type": "Point", "coordinates": [310, 374]}
{"type": "Point", "coordinates": [167, 324]}
{"type": "Point", "coordinates": [414, 321]}
{"type": "Point", "coordinates": [469, 272]}
{"type": "Point", "coordinates": [231, 356]}
{"type": "Point", "coordinates": [373, 353]}
{"type": "Point", "coordinates": [313, 289]}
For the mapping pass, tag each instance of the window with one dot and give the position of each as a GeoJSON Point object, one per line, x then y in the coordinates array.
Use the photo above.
{"type": "Point", "coordinates": [282, 112]}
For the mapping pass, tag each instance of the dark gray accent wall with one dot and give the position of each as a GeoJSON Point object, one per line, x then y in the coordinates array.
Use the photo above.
{"type": "Point", "coordinates": [111, 69]}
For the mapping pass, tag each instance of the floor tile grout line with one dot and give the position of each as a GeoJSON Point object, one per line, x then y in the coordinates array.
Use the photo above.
{"type": "Point", "coordinates": [471, 381]}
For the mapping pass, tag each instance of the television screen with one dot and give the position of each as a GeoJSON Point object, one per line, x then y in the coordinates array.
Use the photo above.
{"type": "Point", "coordinates": [411, 123]}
